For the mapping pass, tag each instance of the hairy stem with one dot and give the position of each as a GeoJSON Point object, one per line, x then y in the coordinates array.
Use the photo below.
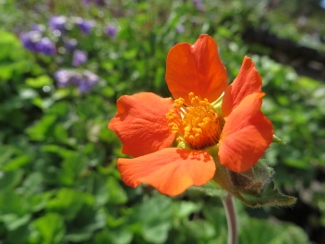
{"type": "Point", "coordinates": [229, 206]}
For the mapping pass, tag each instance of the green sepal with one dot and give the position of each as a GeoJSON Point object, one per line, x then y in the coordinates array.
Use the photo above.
{"type": "Point", "coordinates": [270, 195]}
{"type": "Point", "coordinates": [278, 140]}
{"type": "Point", "coordinates": [255, 187]}
{"type": "Point", "coordinates": [217, 105]}
{"type": "Point", "coordinates": [211, 189]}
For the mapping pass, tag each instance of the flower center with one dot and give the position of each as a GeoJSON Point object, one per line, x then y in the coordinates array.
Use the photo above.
{"type": "Point", "coordinates": [197, 124]}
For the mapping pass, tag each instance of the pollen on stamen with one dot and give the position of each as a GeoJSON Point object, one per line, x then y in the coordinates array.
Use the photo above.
{"type": "Point", "coordinates": [197, 124]}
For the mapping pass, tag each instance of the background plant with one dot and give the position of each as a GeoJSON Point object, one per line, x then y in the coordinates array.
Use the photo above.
{"type": "Point", "coordinates": [58, 178]}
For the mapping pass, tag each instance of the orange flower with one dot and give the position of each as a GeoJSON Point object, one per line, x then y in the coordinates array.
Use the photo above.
{"type": "Point", "coordinates": [171, 141]}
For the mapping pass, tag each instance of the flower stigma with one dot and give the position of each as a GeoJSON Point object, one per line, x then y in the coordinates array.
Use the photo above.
{"type": "Point", "coordinates": [197, 124]}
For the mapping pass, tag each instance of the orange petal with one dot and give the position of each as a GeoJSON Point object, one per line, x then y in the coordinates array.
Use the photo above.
{"type": "Point", "coordinates": [141, 124]}
{"type": "Point", "coordinates": [171, 170]}
{"type": "Point", "coordinates": [196, 68]}
{"type": "Point", "coordinates": [246, 135]}
{"type": "Point", "coordinates": [247, 82]}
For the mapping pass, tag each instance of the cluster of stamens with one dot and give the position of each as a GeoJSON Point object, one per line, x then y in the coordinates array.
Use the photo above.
{"type": "Point", "coordinates": [197, 123]}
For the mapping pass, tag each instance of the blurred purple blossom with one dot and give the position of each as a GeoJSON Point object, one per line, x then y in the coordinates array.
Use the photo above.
{"type": "Point", "coordinates": [97, 2]}
{"type": "Point", "coordinates": [198, 5]}
{"type": "Point", "coordinates": [38, 28]}
{"type": "Point", "coordinates": [71, 44]}
{"type": "Point", "coordinates": [84, 81]}
{"type": "Point", "coordinates": [46, 46]}
{"type": "Point", "coordinates": [88, 80]}
{"type": "Point", "coordinates": [110, 30]}
{"type": "Point", "coordinates": [30, 39]}
{"type": "Point", "coordinates": [63, 77]}
{"type": "Point", "coordinates": [85, 25]}
{"type": "Point", "coordinates": [180, 29]}
{"type": "Point", "coordinates": [58, 22]}
{"type": "Point", "coordinates": [75, 78]}
{"type": "Point", "coordinates": [33, 42]}
{"type": "Point", "coordinates": [79, 57]}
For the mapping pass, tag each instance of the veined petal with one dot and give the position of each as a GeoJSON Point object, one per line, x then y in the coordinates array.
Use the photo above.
{"type": "Point", "coordinates": [246, 135]}
{"type": "Point", "coordinates": [141, 124]}
{"type": "Point", "coordinates": [196, 68]}
{"type": "Point", "coordinates": [247, 82]}
{"type": "Point", "coordinates": [171, 170]}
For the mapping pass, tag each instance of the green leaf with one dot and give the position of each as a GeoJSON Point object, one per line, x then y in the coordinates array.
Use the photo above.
{"type": "Point", "coordinates": [51, 228]}
{"type": "Point", "coordinates": [17, 162]}
{"type": "Point", "coordinates": [6, 72]}
{"type": "Point", "coordinates": [154, 226]}
{"type": "Point", "coordinates": [68, 202]}
{"type": "Point", "coordinates": [186, 208]}
{"type": "Point", "coordinates": [88, 221]}
{"type": "Point", "coordinates": [72, 165]}
{"type": "Point", "coordinates": [217, 217]}
{"type": "Point", "coordinates": [71, 169]}
{"type": "Point", "coordinates": [210, 189]}
{"type": "Point", "coordinates": [116, 236]}
{"type": "Point", "coordinates": [10, 179]}
{"type": "Point", "coordinates": [6, 152]}
{"type": "Point", "coordinates": [38, 201]}
{"type": "Point", "coordinates": [43, 103]}
{"type": "Point", "coordinates": [13, 221]}
{"type": "Point", "coordinates": [19, 235]}
{"type": "Point", "coordinates": [201, 229]}
{"type": "Point", "coordinates": [270, 233]}
{"type": "Point", "coordinates": [33, 183]}
{"type": "Point", "coordinates": [39, 81]}
{"type": "Point", "coordinates": [116, 194]}
{"type": "Point", "coordinates": [39, 131]}
{"type": "Point", "coordinates": [12, 203]}
{"type": "Point", "coordinates": [278, 140]}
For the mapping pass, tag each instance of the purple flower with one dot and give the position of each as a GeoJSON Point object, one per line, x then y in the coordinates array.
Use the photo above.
{"type": "Point", "coordinates": [63, 77]}
{"type": "Point", "coordinates": [84, 86]}
{"type": "Point", "coordinates": [85, 25]}
{"type": "Point", "coordinates": [88, 80]}
{"type": "Point", "coordinates": [110, 30]}
{"type": "Point", "coordinates": [180, 29]}
{"type": "Point", "coordinates": [30, 40]}
{"type": "Point", "coordinates": [46, 46]}
{"type": "Point", "coordinates": [198, 4]}
{"type": "Point", "coordinates": [101, 2]}
{"type": "Point", "coordinates": [79, 57]}
{"type": "Point", "coordinates": [71, 44]}
{"type": "Point", "coordinates": [38, 28]}
{"type": "Point", "coordinates": [84, 81]}
{"type": "Point", "coordinates": [91, 77]}
{"type": "Point", "coordinates": [97, 2]}
{"type": "Point", "coordinates": [58, 22]}
{"type": "Point", "coordinates": [76, 78]}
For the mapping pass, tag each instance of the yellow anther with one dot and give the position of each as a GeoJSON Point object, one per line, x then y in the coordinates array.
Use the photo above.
{"type": "Point", "coordinates": [197, 124]}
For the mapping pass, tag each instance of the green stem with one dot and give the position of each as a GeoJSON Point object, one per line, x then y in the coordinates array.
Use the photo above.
{"type": "Point", "coordinates": [229, 206]}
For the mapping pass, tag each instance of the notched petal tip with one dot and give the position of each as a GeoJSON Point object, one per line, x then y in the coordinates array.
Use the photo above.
{"type": "Point", "coordinates": [171, 171]}
{"type": "Point", "coordinates": [246, 135]}
{"type": "Point", "coordinates": [196, 68]}
{"type": "Point", "coordinates": [248, 81]}
{"type": "Point", "coordinates": [141, 124]}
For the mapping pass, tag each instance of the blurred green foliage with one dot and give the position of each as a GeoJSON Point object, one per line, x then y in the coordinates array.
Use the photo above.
{"type": "Point", "coordinates": [58, 176]}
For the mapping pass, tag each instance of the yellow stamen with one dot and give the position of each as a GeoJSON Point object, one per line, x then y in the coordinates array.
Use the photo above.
{"type": "Point", "coordinates": [197, 124]}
